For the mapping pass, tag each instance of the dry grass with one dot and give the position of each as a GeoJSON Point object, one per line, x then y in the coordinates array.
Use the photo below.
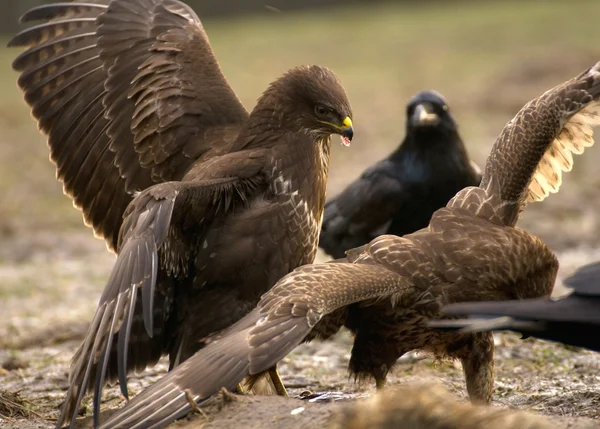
{"type": "Point", "coordinates": [14, 407]}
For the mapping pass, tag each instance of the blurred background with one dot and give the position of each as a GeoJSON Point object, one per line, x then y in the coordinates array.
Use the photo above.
{"type": "Point", "coordinates": [487, 57]}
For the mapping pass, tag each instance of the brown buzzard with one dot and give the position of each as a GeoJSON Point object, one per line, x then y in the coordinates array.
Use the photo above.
{"type": "Point", "coordinates": [207, 206]}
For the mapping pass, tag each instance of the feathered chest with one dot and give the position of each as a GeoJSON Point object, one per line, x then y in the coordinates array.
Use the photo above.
{"type": "Point", "coordinates": [298, 189]}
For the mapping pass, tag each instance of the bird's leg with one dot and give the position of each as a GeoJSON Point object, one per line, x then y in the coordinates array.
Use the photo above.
{"type": "Point", "coordinates": [276, 380]}
{"type": "Point", "coordinates": [265, 383]}
{"type": "Point", "coordinates": [193, 404]}
{"type": "Point", "coordinates": [373, 356]}
{"type": "Point", "coordinates": [248, 385]}
{"type": "Point", "coordinates": [477, 360]}
{"type": "Point", "coordinates": [241, 389]}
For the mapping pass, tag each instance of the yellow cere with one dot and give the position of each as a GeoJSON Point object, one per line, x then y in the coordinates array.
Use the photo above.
{"type": "Point", "coordinates": [347, 122]}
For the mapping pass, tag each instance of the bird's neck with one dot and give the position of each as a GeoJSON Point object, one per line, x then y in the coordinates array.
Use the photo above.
{"type": "Point", "coordinates": [303, 164]}
{"type": "Point", "coordinates": [299, 160]}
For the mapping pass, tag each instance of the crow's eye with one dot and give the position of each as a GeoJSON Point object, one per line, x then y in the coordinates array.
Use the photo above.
{"type": "Point", "coordinates": [321, 110]}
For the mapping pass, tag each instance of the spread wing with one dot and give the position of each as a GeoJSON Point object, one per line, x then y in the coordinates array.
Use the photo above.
{"type": "Point", "coordinates": [162, 216]}
{"type": "Point", "coordinates": [363, 210]}
{"type": "Point", "coordinates": [537, 145]}
{"type": "Point", "coordinates": [129, 94]}
{"type": "Point", "coordinates": [284, 317]}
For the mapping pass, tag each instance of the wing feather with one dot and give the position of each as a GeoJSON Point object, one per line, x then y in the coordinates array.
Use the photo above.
{"type": "Point", "coordinates": [362, 210]}
{"type": "Point", "coordinates": [131, 313]}
{"type": "Point", "coordinates": [79, 74]}
{"type": "Point", "coordinates": [284, 317]}
{"type": "Point", "coordinates": [535, 147]}
{"type": "Point", "coordinates": [577, 135]}
{"type": "Point", "coordinates": [133, 269]}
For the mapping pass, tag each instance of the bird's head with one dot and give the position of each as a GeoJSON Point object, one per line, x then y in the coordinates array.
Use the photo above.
{"type": "Point", "coordinates": [428, 111]}
{"type": "Point", "coordinates": [315, 102]}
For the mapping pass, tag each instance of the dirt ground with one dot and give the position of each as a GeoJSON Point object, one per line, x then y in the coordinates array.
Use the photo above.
{"type": "Point", "coordinates": [487, 58]}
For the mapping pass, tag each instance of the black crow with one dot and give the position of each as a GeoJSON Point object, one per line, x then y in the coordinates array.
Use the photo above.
{"type": "Point", "coordinates": [399, 194]}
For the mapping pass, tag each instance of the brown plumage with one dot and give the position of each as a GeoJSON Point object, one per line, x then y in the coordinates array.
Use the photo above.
{"type": "Point", "coordinates": [386, 291]}
{"type": "Point", "coordinates": [427, 406]}
{"type": "Point", "coordinates": [206, 205]}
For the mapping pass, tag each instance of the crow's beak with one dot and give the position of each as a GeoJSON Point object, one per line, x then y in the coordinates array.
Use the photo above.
{"type": "Point", "coordinates": [424, 116]}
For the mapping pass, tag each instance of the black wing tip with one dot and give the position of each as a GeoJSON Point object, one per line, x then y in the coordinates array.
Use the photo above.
{"type": "Point", "coordinates": [481, 308]}
{"type": "Point", "coordinates": [18, 40]}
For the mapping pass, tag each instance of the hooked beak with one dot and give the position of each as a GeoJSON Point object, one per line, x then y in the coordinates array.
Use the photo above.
{"type": "Point", "coordinates": [346, 131]}
{"type": "Point", "coordinates": [423, 116]}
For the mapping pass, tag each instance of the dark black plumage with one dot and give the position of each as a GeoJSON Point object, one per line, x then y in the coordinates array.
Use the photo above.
{"type": "Point", "coordinates": [206, 205]}
{"type": "Point", "coordinates": [399, 194]}
{"type": "Point", "coordinates": [388, 290]}
{"type": "Point", "coordinates": [574, 319]}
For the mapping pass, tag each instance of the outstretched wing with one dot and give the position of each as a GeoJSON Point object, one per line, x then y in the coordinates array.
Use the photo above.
{"type": "Point", "coordinates": [159, 216]}
{"type": "Point", "coordinates": [284, 317]}
{"type": "Point", "coordinates": [362, 211]}
{"type": "Point", "coordinates": [129, 94]}
{"type": "Point", "coordinates": [537, 145]}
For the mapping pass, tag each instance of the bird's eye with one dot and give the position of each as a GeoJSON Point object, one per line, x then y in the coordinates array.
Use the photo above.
{"type": "Point", "coordinates": [321, 110]}
{"type": "Point", "coordinates": [445, 107]}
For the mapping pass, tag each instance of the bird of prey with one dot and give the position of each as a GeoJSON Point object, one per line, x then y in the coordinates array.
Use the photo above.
{"type": "Point", "coordinates": [207, 206]}
{"type": "Point", "coordinates": [573, 320]}
{"type": "Point", "coordinates": [386, 291]}
{"type": "Point", "coordinates": [427, 406]}
{"type": "Point", "coordinates": [399, 194]}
